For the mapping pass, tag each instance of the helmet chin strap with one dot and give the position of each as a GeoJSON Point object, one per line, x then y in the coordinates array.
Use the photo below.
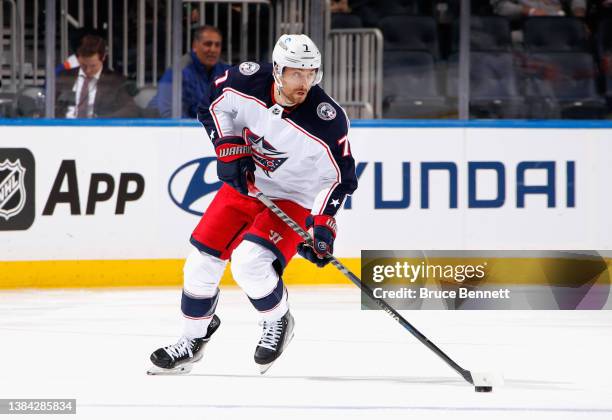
{"type": "Point", "coordinates": [279, 89]}
{"type": "Point", "coordinates": [285, 99]}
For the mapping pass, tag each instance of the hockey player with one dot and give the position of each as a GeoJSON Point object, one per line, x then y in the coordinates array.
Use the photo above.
{"type": "Point", "coordinates": [273, 121]}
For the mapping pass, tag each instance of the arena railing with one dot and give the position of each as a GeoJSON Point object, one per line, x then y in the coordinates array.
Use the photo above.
{"type": "Point", "coordinates": [354, 70]}
{"type": "Point", "coordinates": [357, 85]}
{"type": "Point", "coordinates": [11, 71]}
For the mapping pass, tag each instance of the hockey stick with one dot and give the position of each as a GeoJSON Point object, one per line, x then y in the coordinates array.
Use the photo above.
{"type": "Point", "coordinates": [481, 381]}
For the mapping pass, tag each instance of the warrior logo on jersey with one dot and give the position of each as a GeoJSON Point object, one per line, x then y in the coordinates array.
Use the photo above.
{"type": "Point", "coordinates": [264, 154]}
{"type": "Point", "coordinates": [326, 112]}
{"type": "Point", "coordinates": [12, 188]}
{"type": "Point", "coordinates": [248, 68]}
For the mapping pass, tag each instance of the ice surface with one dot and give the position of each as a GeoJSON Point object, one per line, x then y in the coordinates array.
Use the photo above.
{"type": "Point", "coordinates": [94, 345]}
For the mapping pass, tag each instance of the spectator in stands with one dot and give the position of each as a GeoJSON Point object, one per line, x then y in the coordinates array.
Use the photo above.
{"type": "Point", "coordinates": [340, 6]}
{"type": "Point", "coordinates": [600, 9]}
{"type": "Point", "coordinates": [516, 9]}
{"type": "Point", "coordinates": [92, 90]}
{"type": "Point", "coordinates": [200, 67]}
{"type": "Point", "coordinates": [76, 36]}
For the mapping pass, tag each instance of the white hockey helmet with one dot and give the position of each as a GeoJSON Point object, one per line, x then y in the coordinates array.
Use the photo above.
{"type": "Point", "coordinates": [296, 51]}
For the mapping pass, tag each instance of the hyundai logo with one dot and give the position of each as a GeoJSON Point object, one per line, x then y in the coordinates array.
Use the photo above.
{"type": "Point", "coordinates": [187, 185]}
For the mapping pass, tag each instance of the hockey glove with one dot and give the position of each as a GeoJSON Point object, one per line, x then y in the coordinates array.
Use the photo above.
{"type": "Point", "coordinates": [234, 162]}
{"type": "Point", "coordinates": [323, 235]}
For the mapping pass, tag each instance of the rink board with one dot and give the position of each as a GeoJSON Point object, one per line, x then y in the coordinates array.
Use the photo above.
{"type": "Point", "coordinates": [115, 204]}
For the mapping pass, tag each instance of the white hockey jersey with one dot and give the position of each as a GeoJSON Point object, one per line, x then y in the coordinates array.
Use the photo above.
{"type": "Point", "coordinates": [301, 154]}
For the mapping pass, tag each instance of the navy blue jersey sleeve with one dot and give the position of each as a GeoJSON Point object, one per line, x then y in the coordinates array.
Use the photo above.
{"type": "Point", "coordinates": [338, 159]}
{"type": "Point", "coordinates": [348, 178]}
{"type": "Point", "coordinates": [213, 119]}
{"type": "Point", "coordinates": [329, 200]}
{"type": "Point", "coordinates": [217, 111]}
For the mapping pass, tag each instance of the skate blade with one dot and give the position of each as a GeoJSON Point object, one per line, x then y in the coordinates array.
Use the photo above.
{"type": "Point", "coordinates": [264, 368]}
{"type": "Point", "coordinates": [180, 370]}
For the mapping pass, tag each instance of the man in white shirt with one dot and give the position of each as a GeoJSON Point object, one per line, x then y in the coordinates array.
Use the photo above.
{"type": "Point", "coordinates": [91, 90]}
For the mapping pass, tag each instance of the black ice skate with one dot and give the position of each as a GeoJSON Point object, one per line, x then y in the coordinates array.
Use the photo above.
{"type": "Point", "coordinates": [275, 338]}
{"type": "Point", "coordinates": [179, 358]}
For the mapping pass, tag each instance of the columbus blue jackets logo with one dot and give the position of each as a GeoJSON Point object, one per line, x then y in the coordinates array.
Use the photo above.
{"type": "Point", "coordinates": [12, 188]}
{"type": "Point", "coordinates": [264, 154]}
{"type": "Point", "coordinates": [326, 112]}
{"type": "Point", "coordinates": [248, 68]}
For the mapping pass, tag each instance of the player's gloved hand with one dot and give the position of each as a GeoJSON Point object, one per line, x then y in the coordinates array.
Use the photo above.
{"type": "Point", "coordinates": [323, 233]}
{"type": "Point", "coordinates": [234, 162]}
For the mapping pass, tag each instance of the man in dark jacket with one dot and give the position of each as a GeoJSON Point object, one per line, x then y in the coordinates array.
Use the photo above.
{"type": "Point", "coordinates": [200, 67]}
{"type": "Point", "coordinates": [91, 90]}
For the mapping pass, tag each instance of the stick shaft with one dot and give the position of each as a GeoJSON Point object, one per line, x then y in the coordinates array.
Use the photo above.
{"type": "Point", "coordinates": [364, 287]}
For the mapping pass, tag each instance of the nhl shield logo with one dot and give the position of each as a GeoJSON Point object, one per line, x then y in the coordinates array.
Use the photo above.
{"type": "Point", "coordinates": [326, 112]}
{"type": "Point", "coordinates": [12, 188]}
{"type": "Point", "coordinates": [248, 68]}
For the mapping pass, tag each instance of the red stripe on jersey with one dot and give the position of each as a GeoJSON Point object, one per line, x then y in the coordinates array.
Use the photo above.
{"type": "Point", "coordinates": [321, 142]}
{"type": "Point", "coordinates": [329, 154]}
{"type": "Point", "coordinates": [212, 106]}
{"type": "Point", "coordinates": [245, 96]}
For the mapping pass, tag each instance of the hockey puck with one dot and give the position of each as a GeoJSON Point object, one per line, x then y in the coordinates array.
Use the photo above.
{"type": "Point", "coordinates": [484, 388]}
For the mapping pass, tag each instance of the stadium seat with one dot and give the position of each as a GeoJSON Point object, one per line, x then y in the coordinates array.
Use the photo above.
{"type": "Point", "coordinates": [30, 102]}
{"type": "Point", "coordinates": [345, 21]}
{"type": "Point", "coordinates": [604, 51]}
{"type": "Point", "coordinates": [562, 84]}
{"type": "Point", "coordinates": [413, 33]}
{"type": "Point", "coordinates": [143, 100]}
{"type": "Point", "coordinates": [7, 105]}
{"type": "Point", "coordinates": [604, 36]}
{"type": "Point", "coordinates": [477, 7]}
{"type": "Point", "coordinates": [606, 71]}
{"type": "Point", "coordinates": [488, 33]}
{"type": "Point", "coordinates": [555, 34]}
{"type": "Point", "coordinates": [411, 86]}
{"type": "Point", "coordinates": [494, 87]}
{"type": "Point", "coordinates": [372, 12]}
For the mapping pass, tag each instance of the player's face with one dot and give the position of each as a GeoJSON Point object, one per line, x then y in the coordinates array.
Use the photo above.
{"type": "Point", "coordinates": [90, 65]}
{"type": "Point", "coordinates": [208, 48]}
{"type": "Point", "coordinates": [297, 83]}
